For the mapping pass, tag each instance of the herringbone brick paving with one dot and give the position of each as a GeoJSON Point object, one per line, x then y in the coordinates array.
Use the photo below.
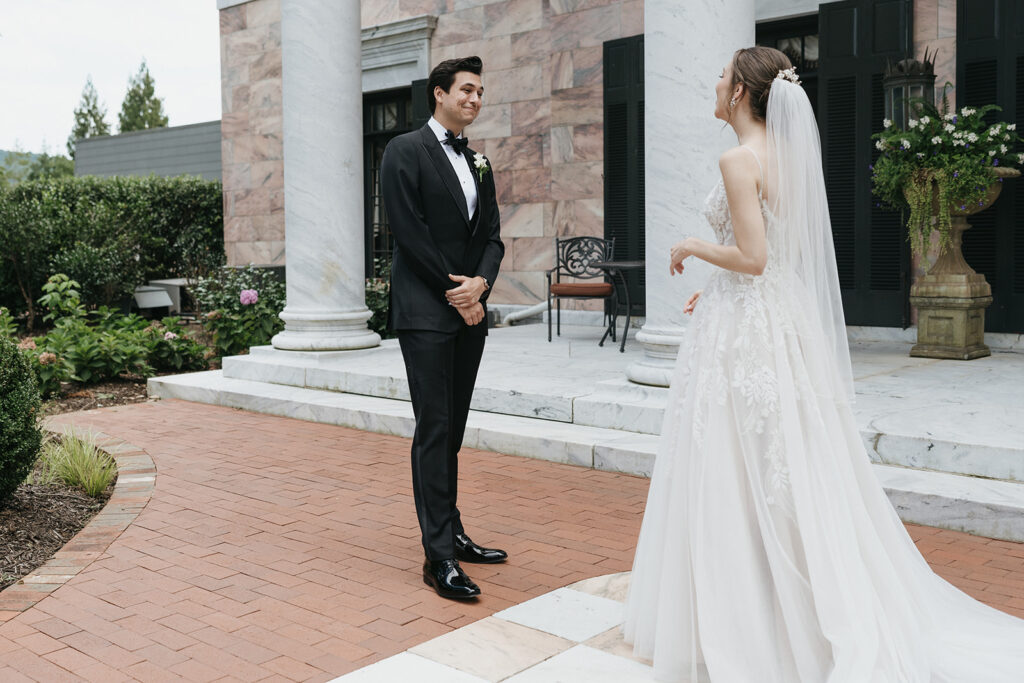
{"type": "Point", "coordinates": [278, 549]}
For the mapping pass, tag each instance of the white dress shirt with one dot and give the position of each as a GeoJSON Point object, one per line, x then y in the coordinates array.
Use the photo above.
{"type": "Point", "coordinates": [460, 163]}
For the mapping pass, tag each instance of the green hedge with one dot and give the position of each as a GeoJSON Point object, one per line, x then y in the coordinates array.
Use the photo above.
{"type": "Point", "coordinates": [108, 234]}
{"type": "Point", "coordinates": [20, 435]}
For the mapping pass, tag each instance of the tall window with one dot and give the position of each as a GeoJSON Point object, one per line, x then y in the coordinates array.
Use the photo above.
{"type": "Point", "coordinates": [990, 70]}
{"type": "Point", "coordinates": [858, 39]}
{"type": "Point", "coordinates": [798, 39]}
{"type": "Point", "coordinates": [385, 115]}
{"type": "Point", "coordinates": [624, 156]}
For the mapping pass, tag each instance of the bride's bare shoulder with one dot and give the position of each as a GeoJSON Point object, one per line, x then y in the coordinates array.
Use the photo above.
{"type": "Point", "coordinates": [738, 161]}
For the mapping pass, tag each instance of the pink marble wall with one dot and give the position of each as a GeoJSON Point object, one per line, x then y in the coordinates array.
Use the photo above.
{"type": "Point", "coordinates": [542, 125]}
{"type": "Point", "coordinates": [251, 149]}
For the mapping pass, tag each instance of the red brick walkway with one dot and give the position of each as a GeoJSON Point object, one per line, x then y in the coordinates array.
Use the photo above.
{"type": "Point", "coordinates": [277, 549]}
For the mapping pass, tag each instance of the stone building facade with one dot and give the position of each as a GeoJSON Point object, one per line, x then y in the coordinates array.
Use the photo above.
{"type": "Point", "coordinates": [541, 126]}
{"type": "Point", "coordinates": [544, 124]}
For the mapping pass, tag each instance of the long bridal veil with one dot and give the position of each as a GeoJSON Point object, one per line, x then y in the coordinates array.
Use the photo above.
{"type": "Point", "coordinates": [805, 240]}
{"type": "Point", "coordinates": [769, 552]}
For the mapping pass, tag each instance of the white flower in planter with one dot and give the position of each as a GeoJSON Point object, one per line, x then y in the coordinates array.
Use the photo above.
{"type": "Point", "coordinates": [905, 143]}
{"type": "Point", "coordinates": [886, 123]}
{"type": "Point", "coordinates": [972, 137]}
{"type": "Point", "coordinates": [949, 128]}
{"type": "Point", "coordinates": [936, 140]}
{"type": "Point", "coordinates": [968, 111]}
{"type": "Point", "coordinates": [913, 123]}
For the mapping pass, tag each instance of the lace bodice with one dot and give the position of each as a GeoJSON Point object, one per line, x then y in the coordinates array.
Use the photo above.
{"type": "Point", "coordinates": [716, 212]}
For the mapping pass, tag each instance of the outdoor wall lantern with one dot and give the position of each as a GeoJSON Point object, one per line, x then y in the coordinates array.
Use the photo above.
{"type": "Point", "coordinates": [906, 80]}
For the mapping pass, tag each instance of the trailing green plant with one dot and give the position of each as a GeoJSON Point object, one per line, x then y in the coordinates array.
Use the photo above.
{"type": "Point", "coordinates": [76, 461]}
{"type": "Point", "coordinates": [948, 156]}
{"type": "Point", "coordinates": [20, 435]}
{"type": "Point", "coordinates": [243, 307]}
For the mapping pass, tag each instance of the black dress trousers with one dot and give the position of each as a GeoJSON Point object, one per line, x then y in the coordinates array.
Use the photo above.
{"type": "Point", "coordinates": [441, 367]}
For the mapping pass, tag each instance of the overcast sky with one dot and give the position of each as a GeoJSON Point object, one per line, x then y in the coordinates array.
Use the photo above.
{"type": "Point", "coordinates": [49, 47]}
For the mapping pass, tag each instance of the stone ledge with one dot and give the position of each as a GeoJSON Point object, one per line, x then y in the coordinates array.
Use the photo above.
{"type": "Point", "coordinates": [136, 479]}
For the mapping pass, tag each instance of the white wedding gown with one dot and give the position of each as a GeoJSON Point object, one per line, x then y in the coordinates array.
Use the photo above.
{"type": "Point", "coordinates": [769, 552]}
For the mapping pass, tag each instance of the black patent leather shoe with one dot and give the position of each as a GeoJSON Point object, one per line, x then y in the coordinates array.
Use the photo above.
{"type": "Point", "coordinates": [467, 551]}
{"type": "Point", "coordinates": [447, 578]}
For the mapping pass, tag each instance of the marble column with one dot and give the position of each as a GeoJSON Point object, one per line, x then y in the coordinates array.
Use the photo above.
{"type": "Point", "coordinates": [323, 178]}
{"type": "Point", "coordinates": [685, 47]}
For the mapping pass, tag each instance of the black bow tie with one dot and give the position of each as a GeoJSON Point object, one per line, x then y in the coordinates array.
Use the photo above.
{"type": "Point", "coordinates": [458, 144]}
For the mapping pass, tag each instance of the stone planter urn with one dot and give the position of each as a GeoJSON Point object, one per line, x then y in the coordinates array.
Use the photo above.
{"type": "Point", "coordinates": [951, 299]}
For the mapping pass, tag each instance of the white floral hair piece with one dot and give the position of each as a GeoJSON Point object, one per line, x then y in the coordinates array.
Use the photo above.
{"type": "Point", "coordinates": [789, 75]}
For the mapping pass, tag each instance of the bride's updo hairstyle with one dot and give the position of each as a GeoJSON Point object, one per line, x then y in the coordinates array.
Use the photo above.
{"type": "Point", "coordinates": [756, 68]}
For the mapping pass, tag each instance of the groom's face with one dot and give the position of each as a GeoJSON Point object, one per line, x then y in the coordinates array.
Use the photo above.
{"type": "Point", "coordinates": [461, 104]}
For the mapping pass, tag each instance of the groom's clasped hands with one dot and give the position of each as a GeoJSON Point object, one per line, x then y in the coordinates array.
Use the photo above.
{"type": "Point", "coordinates": [466, 297]}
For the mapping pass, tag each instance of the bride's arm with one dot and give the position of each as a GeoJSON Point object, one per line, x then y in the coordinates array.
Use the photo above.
{"type": "Point", "coordinates": [750, 253]}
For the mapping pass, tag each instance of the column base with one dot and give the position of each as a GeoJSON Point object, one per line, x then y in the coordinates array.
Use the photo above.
{"type": "Point", "coordinates": [661, 346]}
{"type": "Point", "coordinates": [328, 331]}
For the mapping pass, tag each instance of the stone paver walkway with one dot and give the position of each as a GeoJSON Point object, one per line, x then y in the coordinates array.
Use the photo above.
{"type": "Point", "coordinates": [277, 549]}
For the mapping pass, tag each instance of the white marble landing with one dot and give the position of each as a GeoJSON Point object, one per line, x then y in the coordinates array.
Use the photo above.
{"type": "Point", "coordinates": [980, 506]}
{"type": "Point", "coordinates": [570, 635]}
{"type": "Point", "coordinates": [949, 416]}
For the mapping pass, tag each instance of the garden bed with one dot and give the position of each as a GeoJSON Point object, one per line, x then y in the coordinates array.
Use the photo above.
{"type": "Point", "coordinates": [121, 391]}
{"type": "Point", "coordinates": [37, 521]}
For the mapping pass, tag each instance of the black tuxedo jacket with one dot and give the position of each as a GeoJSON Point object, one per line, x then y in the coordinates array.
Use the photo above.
{"type": "Point", "coordinates": [434, 233]}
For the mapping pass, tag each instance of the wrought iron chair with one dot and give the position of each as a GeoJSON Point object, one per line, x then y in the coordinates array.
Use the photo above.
{"type": "Point", "coordinates": [573, 258]}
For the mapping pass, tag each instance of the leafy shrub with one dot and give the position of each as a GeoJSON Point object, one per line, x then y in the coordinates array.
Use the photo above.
{"type": "Point", "coordinates": [20, 436]}
{"type": "Point", "coordinates": [378, 298]}
{"type": "Point", "coordinates": [243, 307]}
{"type": "Point", "coordinates": [103, 344]}
{"type": "Point", "coordinates": [8, 328]}
{"type": "Point", "coordinates": [76, 461]}
{"type": "Point", "coordinates": [109, 234]}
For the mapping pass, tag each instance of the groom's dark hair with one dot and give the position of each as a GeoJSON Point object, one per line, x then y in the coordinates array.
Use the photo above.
{"type": "Point", "coordinates": [443, 75]}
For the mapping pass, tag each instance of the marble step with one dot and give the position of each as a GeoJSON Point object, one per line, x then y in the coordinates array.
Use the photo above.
{"type": "Point", "coordinates": [897, 429]}
{"type": "Point", "coordinates": [979, 506]}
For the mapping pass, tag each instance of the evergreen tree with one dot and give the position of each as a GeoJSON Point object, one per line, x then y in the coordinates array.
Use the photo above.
{"type": "Point", "coordinates": [89, 117]}
{"type": "Point", "coordinates": [45, 167]}
{"type": "Point", "coordinates": [141, 108]}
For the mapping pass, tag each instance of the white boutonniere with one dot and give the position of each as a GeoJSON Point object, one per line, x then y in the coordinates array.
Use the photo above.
{"type": "Point", "coordinates": [480, 162]}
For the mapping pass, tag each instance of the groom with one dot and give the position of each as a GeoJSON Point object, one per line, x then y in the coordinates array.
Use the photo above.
{"type": "Point", "coordinates": [443, 214]}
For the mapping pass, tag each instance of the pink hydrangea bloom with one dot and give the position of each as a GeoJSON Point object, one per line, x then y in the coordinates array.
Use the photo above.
{"type": "Point", "coordinates": [170, 335]}
{"type": "Point", "coordinates": [248, 296]}
{"type": "Point", "coordinates": [27, 344]}
{"type": "Point", "coordinates": [47, 358]}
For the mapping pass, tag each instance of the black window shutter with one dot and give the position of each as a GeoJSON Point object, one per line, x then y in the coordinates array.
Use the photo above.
{"type": "Point", "coordinates": [990, 70]}
{"type": "Point", "coordinates": [857, 37]}
{"type": "Point", "coordinates": [420, 111]}
{"type": "Point", "coordinates": [624, 157]}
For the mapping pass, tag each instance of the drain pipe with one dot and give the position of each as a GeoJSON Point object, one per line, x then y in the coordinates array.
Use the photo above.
{"type": "Point", "coordinates": [522, 314]}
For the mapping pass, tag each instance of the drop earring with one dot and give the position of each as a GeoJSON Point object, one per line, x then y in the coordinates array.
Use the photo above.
{"type": "Point", "coordinates": [732, 103]}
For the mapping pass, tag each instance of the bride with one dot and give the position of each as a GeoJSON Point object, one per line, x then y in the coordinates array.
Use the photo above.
{"type": "Point", "coordinates": [769, 552]}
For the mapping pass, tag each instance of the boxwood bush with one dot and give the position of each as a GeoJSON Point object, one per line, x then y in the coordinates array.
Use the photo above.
{"type": "Point", "coordinates": [20, 435]}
